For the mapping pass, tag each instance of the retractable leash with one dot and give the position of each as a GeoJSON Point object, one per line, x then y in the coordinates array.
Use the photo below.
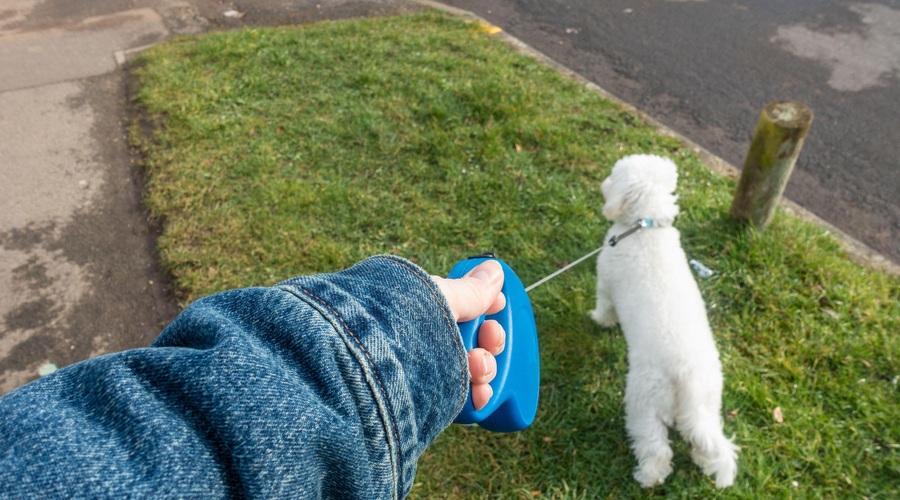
{"type": "Point", "coordinates": [517, 383]}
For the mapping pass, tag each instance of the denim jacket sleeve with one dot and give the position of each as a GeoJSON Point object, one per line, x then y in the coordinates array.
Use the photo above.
{"type": "Point", "coordinates": [322, 386]}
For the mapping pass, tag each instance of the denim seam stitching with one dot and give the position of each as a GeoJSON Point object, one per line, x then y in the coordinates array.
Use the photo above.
{"type": "Point", "coordinates": [362, 347]}
{"type": "Point", "coordinates": [436, 294]}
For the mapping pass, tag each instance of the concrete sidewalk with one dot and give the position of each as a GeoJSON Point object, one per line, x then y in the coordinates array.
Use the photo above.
{"type": "Point", "coordinates": [78, 267]}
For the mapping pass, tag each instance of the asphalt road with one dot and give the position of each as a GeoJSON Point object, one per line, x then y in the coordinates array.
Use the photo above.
{"type": "Point", "coordinates": [706, 69]}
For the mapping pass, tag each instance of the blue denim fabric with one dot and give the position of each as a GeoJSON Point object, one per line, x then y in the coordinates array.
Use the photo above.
{"type": "Point", "coordinates": [323, 386]}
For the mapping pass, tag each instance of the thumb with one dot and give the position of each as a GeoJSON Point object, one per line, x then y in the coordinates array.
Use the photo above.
{"type": "Point", "coordinates": [476, 293]}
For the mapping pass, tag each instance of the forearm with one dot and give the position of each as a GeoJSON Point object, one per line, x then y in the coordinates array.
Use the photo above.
{"type": "Point", "coordinates": [401, 337]}
{"type": "Point", "coordinates": [328, 384]}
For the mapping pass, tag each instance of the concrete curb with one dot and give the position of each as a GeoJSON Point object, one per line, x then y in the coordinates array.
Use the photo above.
{"type": "Point", "coordinates": [123, 56]}
{"type": "Point", "coordinates": [858, 251]}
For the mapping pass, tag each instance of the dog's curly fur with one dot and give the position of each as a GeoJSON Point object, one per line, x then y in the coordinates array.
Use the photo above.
{"type": "Point", "coordinates": [644, 283]}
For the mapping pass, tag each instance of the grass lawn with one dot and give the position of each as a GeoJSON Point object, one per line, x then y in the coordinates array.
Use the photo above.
{"type": "Point", "coordinates": [276, 152]}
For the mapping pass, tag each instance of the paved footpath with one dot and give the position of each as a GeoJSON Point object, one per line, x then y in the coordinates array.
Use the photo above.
{"type": "Point", "coordinates": [78, 269]}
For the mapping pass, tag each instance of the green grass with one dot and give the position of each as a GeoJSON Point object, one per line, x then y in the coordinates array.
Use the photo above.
{"type": "Point", "coordinates": [276, 152]}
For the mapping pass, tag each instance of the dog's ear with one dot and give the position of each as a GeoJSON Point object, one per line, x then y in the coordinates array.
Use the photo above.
{"type": "Point", "coordinates": [621, 188]}
{"type": "Point", "coordinates": [614, 200]}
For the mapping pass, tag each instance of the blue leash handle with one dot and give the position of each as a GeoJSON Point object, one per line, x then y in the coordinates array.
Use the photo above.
{"type": "Point", "coordinates": [517, 384]}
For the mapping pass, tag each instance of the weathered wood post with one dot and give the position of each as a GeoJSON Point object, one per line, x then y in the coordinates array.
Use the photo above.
{"type": "Point", "coordinates": [776, 144]}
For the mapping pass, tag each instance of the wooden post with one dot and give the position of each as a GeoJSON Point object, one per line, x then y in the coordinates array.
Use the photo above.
{"type": "Point", "coordinates": [776, 144]}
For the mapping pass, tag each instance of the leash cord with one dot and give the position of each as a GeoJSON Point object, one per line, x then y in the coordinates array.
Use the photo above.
{"type": "Point", "coordinates": [564, 269]}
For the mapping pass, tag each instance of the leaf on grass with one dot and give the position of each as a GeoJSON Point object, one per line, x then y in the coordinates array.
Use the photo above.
{"type": "Point", "coordinates": [487, 28]}
{"type": "Point", "coordinates": [731, 414]}
{"type": "Point", "coordinates": [776, 413]}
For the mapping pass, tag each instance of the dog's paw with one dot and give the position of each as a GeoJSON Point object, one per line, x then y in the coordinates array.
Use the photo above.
{"type": "Point", "coordinates": [725, 480]}
{"type": "Point", "coordinates": [726, 468]}
{"type": "Point", "coordinates": [606, 318]}
{"type": "Point", "coordinates": [722, 463]}
{"type": "Point", "coordinates": [653, 473]}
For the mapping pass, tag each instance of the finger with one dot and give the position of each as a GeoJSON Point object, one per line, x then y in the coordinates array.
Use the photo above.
{"type": "Point", "coordinates": [481, 394]}
{"type": "Point", "coordinates": [491, 337]}
{"type": "Point", "coordinates": [498, 304]}
{"type": "Point", "coordinates": [475, 293]}
{"type": "Point", "coordinates": [482, 366]}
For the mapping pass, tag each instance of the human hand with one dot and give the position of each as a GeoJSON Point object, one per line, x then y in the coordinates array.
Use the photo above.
{"type": "Point", "coordinates": [477, 293]}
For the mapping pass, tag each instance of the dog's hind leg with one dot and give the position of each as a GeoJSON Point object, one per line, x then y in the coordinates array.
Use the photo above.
{"type": "Point", "coordinates": [699, 421]}
{"type": "Point", "coordinates": [648, 411]}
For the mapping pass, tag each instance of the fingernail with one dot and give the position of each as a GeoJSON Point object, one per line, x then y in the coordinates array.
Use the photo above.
{"type": "Point", "coordinates": [488, 274]}
{"type": "Point", "coordinates": [489, 364]}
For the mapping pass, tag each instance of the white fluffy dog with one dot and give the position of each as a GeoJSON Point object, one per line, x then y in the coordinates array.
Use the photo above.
{"type": "Point", "coordinates": [644, 283]}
